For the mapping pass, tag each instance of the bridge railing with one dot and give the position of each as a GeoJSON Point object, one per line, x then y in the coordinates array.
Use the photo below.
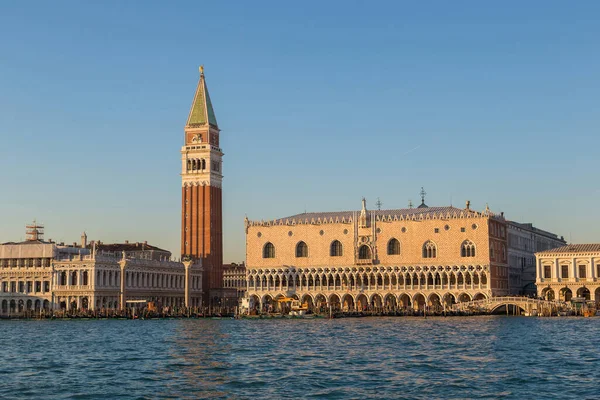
{"type": "Point", "coordinates": [505, 299]}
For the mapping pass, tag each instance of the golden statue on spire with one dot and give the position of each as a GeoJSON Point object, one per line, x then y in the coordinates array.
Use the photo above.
{"type": "Point", "coordinates": [201, 70]}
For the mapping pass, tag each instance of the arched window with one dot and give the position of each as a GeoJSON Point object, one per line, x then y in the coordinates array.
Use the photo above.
{"type": "Point", "coordinates": [301, 249]}
{"type": "Point", "coordinates": [336, 248]}
{"type": "Point", "coordinates": [269, 250]}
{"type": "Point", "coordinates": [429, 250]}
{"type": "Point", "coordinates": [467, 249]}
{"type": "Point", "coordinates": [364, 252]}
{"type": "Point", "coordinates": [393, 247]}
{"type": "Point", "coordinates": [63, 278]}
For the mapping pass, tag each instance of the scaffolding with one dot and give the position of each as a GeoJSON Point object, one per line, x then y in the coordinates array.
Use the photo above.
{"type": "Point", "coordinates": [34, 231]}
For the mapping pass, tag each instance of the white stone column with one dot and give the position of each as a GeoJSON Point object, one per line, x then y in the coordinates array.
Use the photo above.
{"type": "Point", "coordinates": [556, 269]}
{"type": "Point", "coordinates": [574, 268]}
{"type": "Point", "coordinates": [188, 266]}
{"type": "Point", "coordinates": [122, 264]}
{"type": "Point", "coordinates": [593, 269]}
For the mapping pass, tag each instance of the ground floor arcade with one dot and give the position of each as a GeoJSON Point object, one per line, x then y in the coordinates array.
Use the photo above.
{"type": "Point", "coordinates": [364, 300]}
{"type": "Point", "coordinates": [19, 303]}
{"type": "Point", "coordinates": [561, 292]}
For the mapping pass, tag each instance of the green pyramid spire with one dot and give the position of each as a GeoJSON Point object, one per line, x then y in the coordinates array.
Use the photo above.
{"type": "Point", "coordinates": [202, 112]}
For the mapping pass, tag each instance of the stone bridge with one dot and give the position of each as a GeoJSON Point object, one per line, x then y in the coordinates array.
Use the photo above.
{"type": "Point", "coordinates": [491, 304]}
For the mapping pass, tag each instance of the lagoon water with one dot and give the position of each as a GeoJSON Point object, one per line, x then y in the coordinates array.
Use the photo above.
{"type": "Point", "coordinates": [461, 357]}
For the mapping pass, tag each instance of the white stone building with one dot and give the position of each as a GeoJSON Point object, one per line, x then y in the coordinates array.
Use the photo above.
{"type": "Point", "coordinates": [37, 274]}
{"type": "Point", "coordinates": [234, 277]}
{"type": "Point", "coordinates": [569, 271]}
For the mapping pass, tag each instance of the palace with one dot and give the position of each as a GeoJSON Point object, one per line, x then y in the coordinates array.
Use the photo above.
{"type": "Point", "coordinates": [354, 260]}
{"type": "Point", "coordinates": [569, 271]}
{"type": "Point", "coordinates": [37, 274]}
{"type": "Point", "coordinates": [201, 196]}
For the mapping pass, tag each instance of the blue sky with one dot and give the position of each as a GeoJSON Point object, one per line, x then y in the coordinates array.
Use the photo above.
{"type": "Point", "coordinates": [320, 103]}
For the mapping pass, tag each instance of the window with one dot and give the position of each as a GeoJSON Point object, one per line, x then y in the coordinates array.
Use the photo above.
{"type": "Point", "coordinates": [467, 249]}
{"type": "Point", "coordinates": [564, 271]}
{"type": "Point", "coordinates": [364, 252]}
{"type": "Point", "coordinates": [336, 249]}
{"type": "Point", "coordinates": [547, 271]}
{"type": "Point", "coordinates": [269, 250]}
{"type": "Point", "coordinates": [429, 250]}
{"type": "Point", "coordinates": [301, 250]}
{"type": "Point", "coordinates": [393, 247]}
{"type": "Point", "coordinates": [582, 271]}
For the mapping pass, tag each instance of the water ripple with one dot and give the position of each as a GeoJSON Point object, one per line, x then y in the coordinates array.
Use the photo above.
{"type": "Point", "coordinates": [367, 358]}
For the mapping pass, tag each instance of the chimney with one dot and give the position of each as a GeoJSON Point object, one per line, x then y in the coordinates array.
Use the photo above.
{"type": "Point", "coordinates": [468, 205]}
{"type": "Point", "coordinates": [83, 240]}
{"type": "Point", "coordinates": [127, 242]}
{"type": "Point", "coordinates": [145, 242]}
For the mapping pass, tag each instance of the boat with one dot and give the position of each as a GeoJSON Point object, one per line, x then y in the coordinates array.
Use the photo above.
{"type": "Point", "coordinates": [589, 309]}
{"type": "Point", "coordinates": [298, 309]}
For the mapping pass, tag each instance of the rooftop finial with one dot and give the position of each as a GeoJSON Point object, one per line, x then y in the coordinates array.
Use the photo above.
{"type": "Point", "coordinates": [423, 193]}
{"type": "Point", "coordinates": [201, 70]}
{"type": "Point", "coordinates": [410, 204]}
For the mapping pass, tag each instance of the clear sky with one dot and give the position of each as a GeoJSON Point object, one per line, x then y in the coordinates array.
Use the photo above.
{"type": "Point", "coordinates": [320, 103]}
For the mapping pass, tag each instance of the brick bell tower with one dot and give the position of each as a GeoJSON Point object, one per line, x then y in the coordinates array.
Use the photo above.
{"type": "Point", "coordinates": [201, 177]}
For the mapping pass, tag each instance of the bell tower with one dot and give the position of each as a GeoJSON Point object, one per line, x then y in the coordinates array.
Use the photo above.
{"type": "Point", "coordinates": [201, 178]}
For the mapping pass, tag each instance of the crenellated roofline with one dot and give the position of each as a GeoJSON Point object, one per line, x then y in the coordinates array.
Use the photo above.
{"type": "Point", "coordinates": [406, 214]}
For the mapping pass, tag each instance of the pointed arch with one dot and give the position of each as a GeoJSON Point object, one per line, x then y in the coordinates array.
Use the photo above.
{"type": "Point", "coordinates": [269, 250]}
{"type": "Point", "coordinates": [429, 249]}
{"type": "Point", "coordinates": [336, 249]}
{"type": "Point", "coordinates": [393, 247]}
{"type": "Point", "coordinates": [301, 249]}
{"type": "Point", "coordinates": [364, 252]}
{"type": "Point", "coordinates": [467, 249]}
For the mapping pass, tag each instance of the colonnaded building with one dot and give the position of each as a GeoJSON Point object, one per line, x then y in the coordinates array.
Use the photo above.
{"type": "Point", "coordinates": [234, 277]}
{"type": "Point", "coordinates": [36, 274]}
{"type": "Point", "coordinates": [569, 271]}
{"type": "Point", "coordinates": [404, 258]}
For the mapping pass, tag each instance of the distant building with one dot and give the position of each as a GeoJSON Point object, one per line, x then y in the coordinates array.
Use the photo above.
{"type": "Point", "coordinates": [37, 274]}
{"type": "Point", "coordinates": [569, 271]}
{"type": "Point", "coordinates": [524, 240]}
{"type": "Point", "coordinates": [234, 277]}
{"type": "Point", "coordinates": [403, 258]}
{"type": "Point", "coordinates": [26, 271]}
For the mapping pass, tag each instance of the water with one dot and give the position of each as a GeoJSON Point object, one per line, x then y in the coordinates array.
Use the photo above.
{"type": "Point", "coordinates": [475, 357]}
